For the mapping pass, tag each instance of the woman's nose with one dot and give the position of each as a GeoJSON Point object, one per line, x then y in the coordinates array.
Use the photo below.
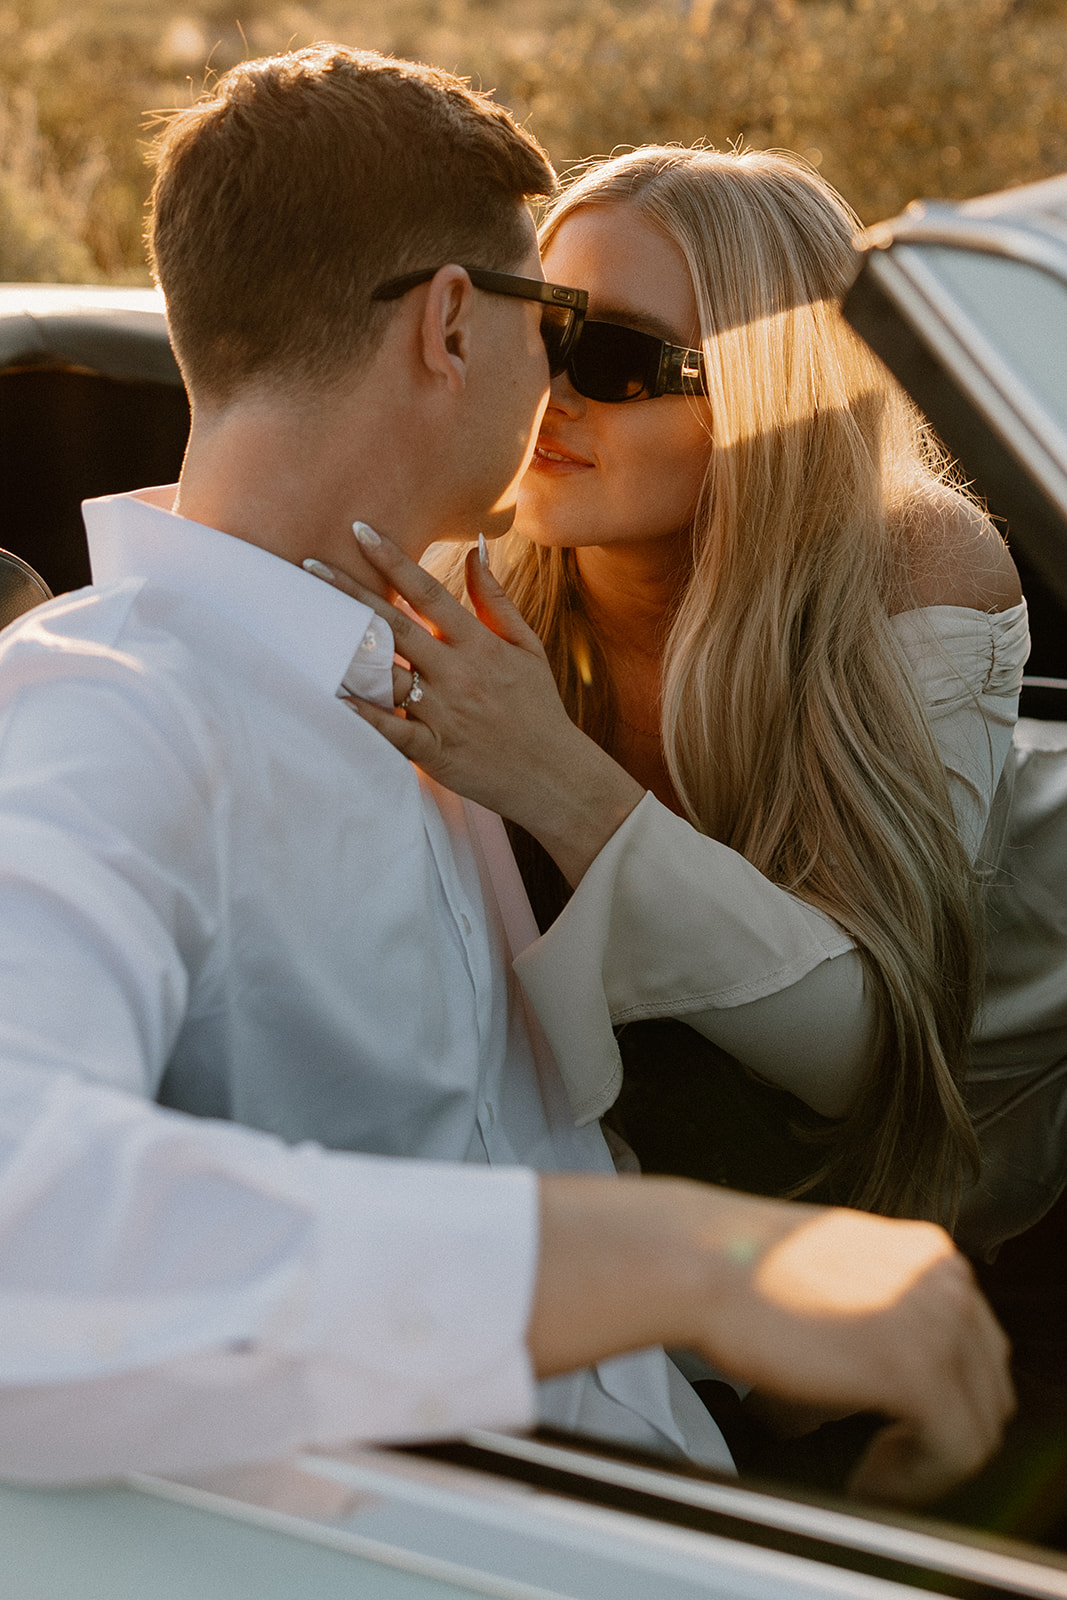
{"type": "Point", "coordinates": [563, 396]}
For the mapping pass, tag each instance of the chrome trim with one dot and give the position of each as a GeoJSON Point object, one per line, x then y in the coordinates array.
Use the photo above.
{"type": "Point", "coordinates": [1039, 244]}
{"type": "Point", "coordinates": [457, 1575]}
{"type": "Point", "coordinates": [962, 1553]}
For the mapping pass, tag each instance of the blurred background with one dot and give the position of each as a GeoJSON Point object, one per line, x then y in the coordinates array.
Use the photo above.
{"type": "Point", "coordinates": [890, 99]}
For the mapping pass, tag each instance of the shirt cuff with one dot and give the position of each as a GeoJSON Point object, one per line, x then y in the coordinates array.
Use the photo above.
{"type": "Point", "coordinates": [419, 1299]}
{"type": "Point", "coordinates": [666, 923]}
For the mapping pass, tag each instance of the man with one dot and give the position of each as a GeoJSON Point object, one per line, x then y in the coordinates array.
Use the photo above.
{"type": "Point", "coordinates": [224, 894]}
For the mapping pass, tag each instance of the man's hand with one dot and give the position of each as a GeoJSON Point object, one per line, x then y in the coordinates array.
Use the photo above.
{"type": "Point", "coordinates": [488, 721]}
{"type": "Point", "coordinates": [827, 1308]}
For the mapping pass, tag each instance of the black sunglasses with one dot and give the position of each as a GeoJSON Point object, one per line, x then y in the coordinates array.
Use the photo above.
{"type": "Point", "coordinates": [562, 309]}
{"type": "Point", "coordinates": [612, 363]}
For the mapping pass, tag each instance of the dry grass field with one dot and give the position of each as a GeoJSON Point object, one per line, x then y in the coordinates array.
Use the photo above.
{"type": "Point", "coordinates": [890, 98]}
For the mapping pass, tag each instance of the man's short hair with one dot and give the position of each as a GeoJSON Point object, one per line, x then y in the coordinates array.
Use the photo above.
{"type": "Point", "coordinates": [301, 182]}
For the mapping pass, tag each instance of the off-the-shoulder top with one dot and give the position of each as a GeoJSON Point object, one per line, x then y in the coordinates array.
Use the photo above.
{"type": "Point", "coordinates": [967, 667]}
{"type": "Point", "coordinates": [668, 922]}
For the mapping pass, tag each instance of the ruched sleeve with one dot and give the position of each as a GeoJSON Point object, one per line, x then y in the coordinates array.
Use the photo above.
{"type": "Point", "coordinates": [968, 669]}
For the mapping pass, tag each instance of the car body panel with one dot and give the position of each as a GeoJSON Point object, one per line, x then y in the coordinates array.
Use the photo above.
{"type": "Point", "coordinates": [409, 1526]}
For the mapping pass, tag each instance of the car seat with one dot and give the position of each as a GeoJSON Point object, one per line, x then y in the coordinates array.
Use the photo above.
{"type": "Point", "coordinates": [91, 403]}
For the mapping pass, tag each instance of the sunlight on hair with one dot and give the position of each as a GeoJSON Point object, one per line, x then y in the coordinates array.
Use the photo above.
{"type": "Point", "coordinates": [582, 662]}
{"type": "Point", "coordinates": [813, 1269]}
{"type": "Point", "coordinates": [780, 369]}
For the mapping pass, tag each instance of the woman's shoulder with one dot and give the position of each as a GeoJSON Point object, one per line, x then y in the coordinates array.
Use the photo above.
{"type": "Point", "coordinates": [956, 556]}
{"type": "Point", "coordinates": [961, 617]}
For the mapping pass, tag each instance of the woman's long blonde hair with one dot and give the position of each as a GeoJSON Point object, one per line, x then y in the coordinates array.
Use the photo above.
{"type": "Point", "coordinates": [791, 729]}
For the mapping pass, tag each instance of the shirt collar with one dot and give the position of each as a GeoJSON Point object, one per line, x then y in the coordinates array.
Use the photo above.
{"type": "Point", "coordinates": [319, 631]}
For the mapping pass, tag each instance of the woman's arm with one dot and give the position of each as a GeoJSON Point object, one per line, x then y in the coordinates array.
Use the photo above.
{"type": "Point", "coordinates": [665, 921]}
{"type": "Point", "coordinates": [668, 922]}
{"type": "Point", "coordinates": [678, 925]}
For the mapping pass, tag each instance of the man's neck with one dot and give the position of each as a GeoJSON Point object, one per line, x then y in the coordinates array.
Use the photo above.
{"type": "Point", "coordinates": [294, 480]}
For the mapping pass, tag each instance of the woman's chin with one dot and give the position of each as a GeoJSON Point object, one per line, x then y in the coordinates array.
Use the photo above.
{"type": "Point", "coordinates": [538, 518]}
{"type": "Point", "coordinates": [549, 531]}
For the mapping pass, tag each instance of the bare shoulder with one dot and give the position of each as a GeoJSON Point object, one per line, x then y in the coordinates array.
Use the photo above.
{"type": "Point", "coordinates": [958, 557]}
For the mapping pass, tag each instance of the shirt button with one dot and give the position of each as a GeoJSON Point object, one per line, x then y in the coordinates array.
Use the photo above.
{"type": "Point", "coordinates": [465, 923]}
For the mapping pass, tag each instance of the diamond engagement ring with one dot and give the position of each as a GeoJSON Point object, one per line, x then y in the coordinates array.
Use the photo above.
{"type": "Point", "coordinates": [414, 694]}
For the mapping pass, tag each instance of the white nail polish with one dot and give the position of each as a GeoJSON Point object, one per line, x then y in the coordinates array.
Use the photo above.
{"type": "Point", "coordinates": [318, 569]}
{"type": "Point", "coordinates": [483, 550]}
{"type": "Point", "coordinates": [365, 535]}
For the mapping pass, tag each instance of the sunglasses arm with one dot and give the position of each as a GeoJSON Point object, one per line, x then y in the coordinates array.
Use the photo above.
{"type": "Point", "coordinates": [681, 371]}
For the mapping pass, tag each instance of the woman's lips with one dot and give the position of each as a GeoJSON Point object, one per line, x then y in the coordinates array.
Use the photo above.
{"type": "Point", "coordinates": [552, 457]}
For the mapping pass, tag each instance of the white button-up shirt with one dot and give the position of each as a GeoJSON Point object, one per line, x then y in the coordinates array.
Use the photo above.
{"type": "Point", "coordinates": [222, 891]}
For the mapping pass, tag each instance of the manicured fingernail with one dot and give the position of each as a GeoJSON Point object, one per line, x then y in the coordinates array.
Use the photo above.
{"type": "Point", "coordinates": [483, 550]}
{"type": "Point", "coordinates": [366, 536]}
{"type": "Point", "coordinates": [319, 569]}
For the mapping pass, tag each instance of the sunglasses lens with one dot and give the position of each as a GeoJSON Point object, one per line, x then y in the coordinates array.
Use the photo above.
{"type": "Point", "coordinates": [612, 363]}
{"type": "Point", "coordinates": [558, 324]}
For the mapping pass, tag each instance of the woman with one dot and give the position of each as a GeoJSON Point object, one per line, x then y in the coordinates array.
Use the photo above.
{"type": "Point", "coordinates": [714, 583]}
{"type": "Point", "coordinates": [761, 594]}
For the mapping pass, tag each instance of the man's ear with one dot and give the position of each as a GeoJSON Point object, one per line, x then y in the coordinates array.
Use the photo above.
{"type": "Point", "coordinates": [446, 326]}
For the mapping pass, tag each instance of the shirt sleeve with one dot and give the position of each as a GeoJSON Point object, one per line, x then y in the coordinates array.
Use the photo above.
{"type": "Point", "coordinates": [668, 922]}
{"type": "Point", "coordinates": [177, 1293]}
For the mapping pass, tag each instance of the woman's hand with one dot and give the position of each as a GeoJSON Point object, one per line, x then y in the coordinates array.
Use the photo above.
{"type": "Point", "coordinates": [480, 709]}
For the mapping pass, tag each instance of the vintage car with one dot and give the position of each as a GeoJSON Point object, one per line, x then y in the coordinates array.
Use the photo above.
{"type": "Point", "coordinates": [968, 306]}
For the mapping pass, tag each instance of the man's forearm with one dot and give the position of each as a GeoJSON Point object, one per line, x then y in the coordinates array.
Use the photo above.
{"type": "Point", "coordinates": [627, 1264]}
{"type": "Point", "coordinates": [819, 1307]}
